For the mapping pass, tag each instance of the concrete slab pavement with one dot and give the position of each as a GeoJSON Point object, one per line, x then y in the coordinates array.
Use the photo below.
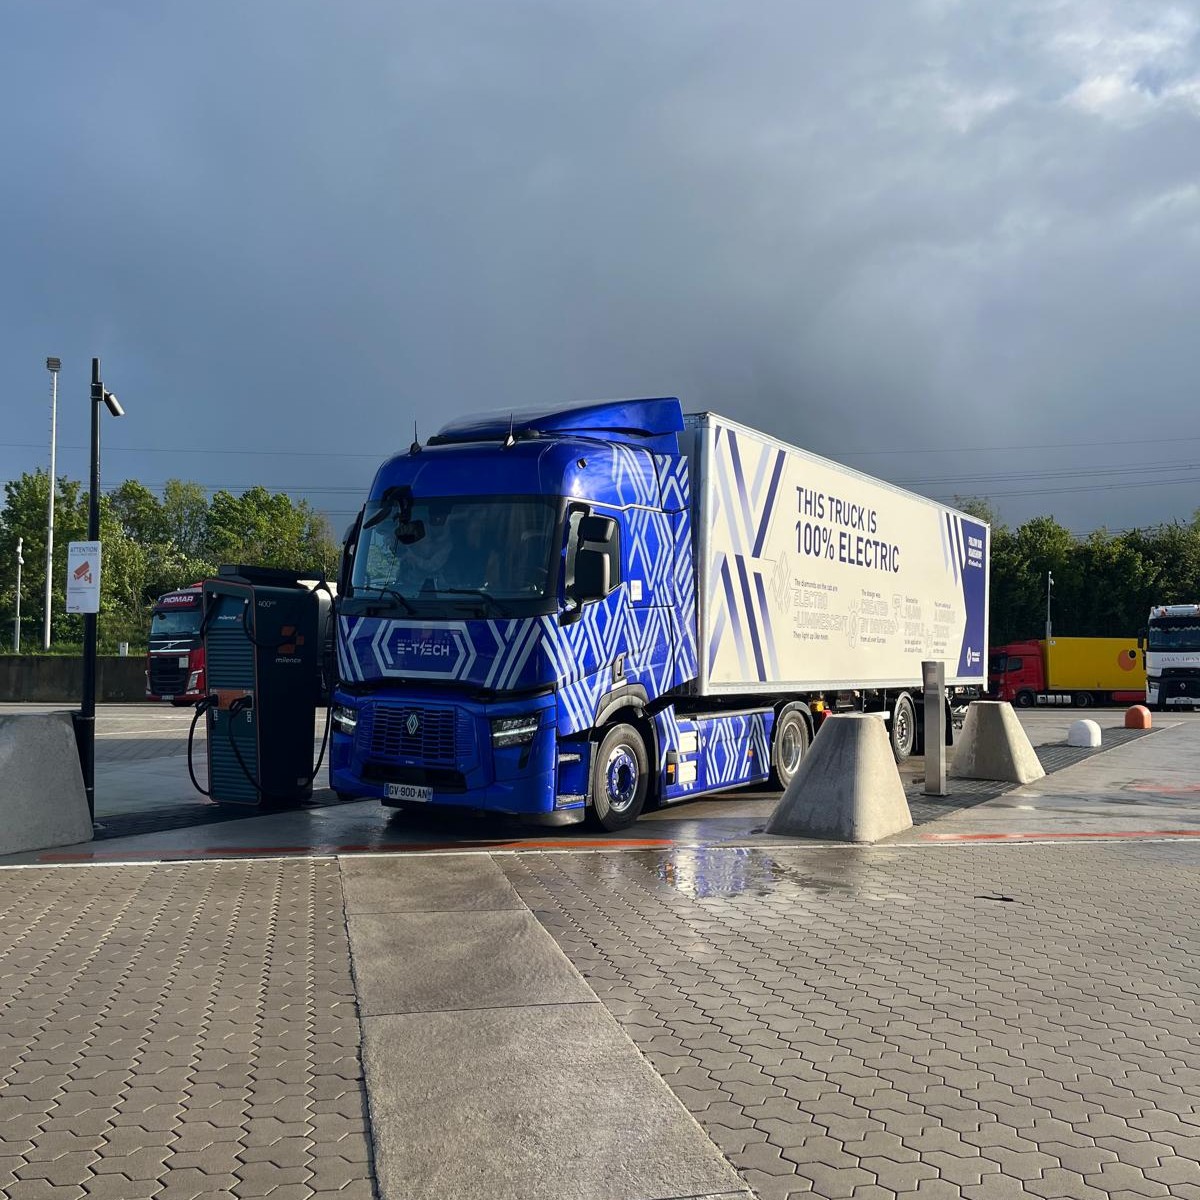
{"type": "Point", "coordinates": [493, 1070]}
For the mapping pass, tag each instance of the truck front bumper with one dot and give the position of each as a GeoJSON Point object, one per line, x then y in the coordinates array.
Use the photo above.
{"type": "Point", "coordinates": [428, 748]}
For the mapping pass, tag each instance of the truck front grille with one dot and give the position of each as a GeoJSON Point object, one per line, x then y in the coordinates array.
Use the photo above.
{"type": "Point", "coordinates": [416, 735]}
{"type": "Point", "coordinates": [167, 677]}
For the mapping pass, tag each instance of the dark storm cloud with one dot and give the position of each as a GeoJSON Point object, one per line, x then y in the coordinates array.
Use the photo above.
{"type": "Point", "coordinates": [866, 226]}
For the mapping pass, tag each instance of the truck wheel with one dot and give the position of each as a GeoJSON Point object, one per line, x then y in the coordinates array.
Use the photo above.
{"type": "Point", "coordinates": [620, 778]}
{"type": "Point", "coordinates": [904, 727]}
{"type": "Point", "coordinates": [789, 745]}
{"type": "Point", "coordinates": [1024, 700]}
{"type": "Point", "coordinates": [1083, 700]}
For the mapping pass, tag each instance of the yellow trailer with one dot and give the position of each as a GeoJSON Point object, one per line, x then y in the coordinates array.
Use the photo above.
{"type": "Point", "coordinates": [1094, 665]}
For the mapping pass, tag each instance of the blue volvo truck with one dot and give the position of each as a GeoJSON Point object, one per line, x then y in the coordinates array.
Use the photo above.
{"type": "Point", "coordinates": [586, 612]}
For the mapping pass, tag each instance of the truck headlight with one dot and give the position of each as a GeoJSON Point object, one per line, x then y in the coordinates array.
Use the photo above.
{"type": "Point", "coordinates": [514, 731]}
{"type": "Point", "coordinates": [345, 720]}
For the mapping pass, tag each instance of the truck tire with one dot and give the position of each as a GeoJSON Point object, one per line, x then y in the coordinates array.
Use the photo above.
{"type": "Point", "coordinates": [620, 778]}
{"type": "Point", "coordinates": [1024, 700]}
{"type": "Point", "coordinates": [903, 730]}
{"type": "Point", "coordinates": [1083, 699]}
{"type": "Point", "coordinates": [789, 744]}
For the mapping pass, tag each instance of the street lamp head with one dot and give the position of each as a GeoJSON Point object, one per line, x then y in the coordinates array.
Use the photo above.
{"type": "Point", "coordinates": [53, 364]}
{"type": "Point", "coordinates": [20, 559]}
{"type": "Point", "coordinates": [114, 405]}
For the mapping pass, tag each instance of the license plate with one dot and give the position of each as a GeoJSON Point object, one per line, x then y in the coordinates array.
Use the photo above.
{"type": "Point", "coordinates": [409, 791]}
{"type": "Point", "coordinates": [183, 662]}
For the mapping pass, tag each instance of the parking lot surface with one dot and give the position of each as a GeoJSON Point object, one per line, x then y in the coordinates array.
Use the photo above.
{"type": "Point", "coordinates": [960, 1023]}
{"type": "Point", "coordinates": [179, 1031]}
{"type": "Point", "coordinates": [999, 1003]}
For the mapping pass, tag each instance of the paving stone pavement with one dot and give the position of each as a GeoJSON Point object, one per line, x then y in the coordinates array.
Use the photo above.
{"type": "Point", "coordinates": [942, 1023]}
{"type": "Point", "coordinates": [179, 1031]}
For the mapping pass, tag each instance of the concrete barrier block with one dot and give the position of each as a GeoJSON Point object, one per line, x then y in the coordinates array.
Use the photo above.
{"type": "Point", "coordinates": [42, 799]}
{"type": "Point", "coordinates": [1084, 733]}
{"type": "Point", "coordinates": [847, 788]}
{"type": "Point", "coordinates": [994, 746]}
{"type": "Point", "coordinates": [1137, 717]}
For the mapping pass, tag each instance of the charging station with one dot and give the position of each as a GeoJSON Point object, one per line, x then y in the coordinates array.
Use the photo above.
{"type": "Point", "coordinates": [267, 638]}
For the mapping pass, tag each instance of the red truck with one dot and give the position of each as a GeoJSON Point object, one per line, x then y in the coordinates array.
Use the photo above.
{"type": "Point", "coordinates": [1067, 671]}
{"type": "Point", "coordinates": [175, 660]}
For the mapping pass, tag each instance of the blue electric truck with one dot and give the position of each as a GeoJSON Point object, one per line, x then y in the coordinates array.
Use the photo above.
{"type": "Point", "coordinates": [589, 611]}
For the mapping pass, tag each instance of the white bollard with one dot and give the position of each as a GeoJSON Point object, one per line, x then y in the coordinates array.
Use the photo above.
{"type": "Point", "coordinates": [1084, 733]}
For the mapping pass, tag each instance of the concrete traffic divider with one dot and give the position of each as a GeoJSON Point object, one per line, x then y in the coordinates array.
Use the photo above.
{"type": "Point", "coordinates": [1084, 733]}
{"type": "Point", "coordinates": [42, 799]}
{"type": "Point", "coordinates": [994, 746]}
{"type": "Point", "coordinates": [847, 787]}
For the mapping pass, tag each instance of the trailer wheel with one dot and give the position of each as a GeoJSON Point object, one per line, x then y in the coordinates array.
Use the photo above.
{"type": "Point", "coordinates": [904, 727]}
{"type": "Point", "coordinates": [789, 745]}
{"type": "Point", "coordinates": [620, 778]}
{"type": "Point", "coordinates": [1024, 700]}
{"type": "Point", "coordinates": [1083, 699]}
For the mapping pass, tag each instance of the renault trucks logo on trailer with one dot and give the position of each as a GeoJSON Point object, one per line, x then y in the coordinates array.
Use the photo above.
{"type": "Point", "coordinates": [974, 657]}
{"type": "Point", "coordinates": [412, 724]}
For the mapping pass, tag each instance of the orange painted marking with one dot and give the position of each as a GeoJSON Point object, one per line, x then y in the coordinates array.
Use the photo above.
{"type": "Point", "coordinates": [355, 848]}
{"type": "Point", "coordinates": [1056, 837]}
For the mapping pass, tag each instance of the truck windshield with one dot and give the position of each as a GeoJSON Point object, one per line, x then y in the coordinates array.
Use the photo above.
{"type": "Point", "coordinates": [176, 622]}
{"type": "Point", "coordinates": [425, 555]}
{"type": "Point", "coordinates": [1182, 634]}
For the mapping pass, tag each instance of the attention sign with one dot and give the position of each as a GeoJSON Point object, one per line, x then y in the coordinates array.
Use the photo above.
{"type": "Point", "coordinates": [83, 577]}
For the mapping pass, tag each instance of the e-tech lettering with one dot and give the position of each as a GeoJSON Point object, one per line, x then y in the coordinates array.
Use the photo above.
{"type": "Point", "coordinates": [423, 649]}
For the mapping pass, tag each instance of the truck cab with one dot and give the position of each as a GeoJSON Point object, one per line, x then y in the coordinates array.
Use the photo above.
{"type": "Point", "coordinates": [508, 588]}
{"type": "Point", "coordinates": [1171, 642]}
{"type": "Point", "coordinates": [1016, 673]}
{"type": "Point", "coordinates": [175, 656]}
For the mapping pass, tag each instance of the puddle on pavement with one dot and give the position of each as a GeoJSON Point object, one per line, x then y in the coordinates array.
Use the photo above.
{"type": "Point", "coordinates": [720, 872]}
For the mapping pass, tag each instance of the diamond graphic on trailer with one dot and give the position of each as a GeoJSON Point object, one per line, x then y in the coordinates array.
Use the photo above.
{"type": "Point", "coordinates": [412, 724]}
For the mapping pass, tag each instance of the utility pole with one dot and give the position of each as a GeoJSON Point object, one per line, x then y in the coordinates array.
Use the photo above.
{"type": "Point", "coordinates": [85, 728]}
{"type": "Point", "coordinates": [52, 365]}
{"type": "Point", "coordinates": [17, 618]}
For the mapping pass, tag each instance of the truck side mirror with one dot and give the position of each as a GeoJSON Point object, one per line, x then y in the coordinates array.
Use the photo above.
{"type": "Point", "coordinates": [1142, 639]}
{"type": "Point", "coordinates": [597, 530]}
{"type": "Point", "coordinates": [593, 575]}
{"type": "Point", "coordinates": [346, 562]}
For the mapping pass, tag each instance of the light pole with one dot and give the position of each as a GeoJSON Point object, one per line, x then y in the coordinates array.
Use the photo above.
{"type": "Point", "coordinates": [17, 618]}
{"type": "Point", "coordinates": [1049, 585]}
{"type": "Point", "coordinates": [52, 365]}
{"type": "Point", "coordinates": [86, 724]}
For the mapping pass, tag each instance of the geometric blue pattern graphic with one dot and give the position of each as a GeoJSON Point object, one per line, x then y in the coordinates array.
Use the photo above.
{"type": "Point", "coordinates": [648, 623]}
{"type": "Point", "coordinates": [746, 477]}
{"type": "Point", "coordinates": [712, 751]}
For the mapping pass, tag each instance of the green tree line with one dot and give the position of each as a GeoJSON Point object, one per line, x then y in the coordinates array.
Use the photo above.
{"type": "Point", "coordinates": [1104, 583]}
{"type": "Point", "coordinates": [151, 544]}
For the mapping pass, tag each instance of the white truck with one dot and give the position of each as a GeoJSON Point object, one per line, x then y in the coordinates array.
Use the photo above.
{"type": "Point", "coordinates": [1171, 642]}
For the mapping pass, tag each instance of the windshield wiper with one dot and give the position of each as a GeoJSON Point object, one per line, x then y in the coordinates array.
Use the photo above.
{"type": "Point", "coordinates": [497, 607]}
{"type": "Point", "coordinates": [384, 590]}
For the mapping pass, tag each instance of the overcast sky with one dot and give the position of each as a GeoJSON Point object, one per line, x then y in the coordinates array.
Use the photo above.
{"type": "Point", "coordinates": [956, 244]}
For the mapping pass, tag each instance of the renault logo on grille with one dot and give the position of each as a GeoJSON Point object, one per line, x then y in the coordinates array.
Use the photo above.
{"type": "Point", "coordinates": [412, 724]}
